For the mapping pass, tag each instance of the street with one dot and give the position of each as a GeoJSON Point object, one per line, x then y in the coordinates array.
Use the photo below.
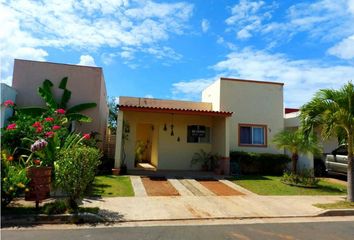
{"type": "Point", "coordinates": [303, 230]}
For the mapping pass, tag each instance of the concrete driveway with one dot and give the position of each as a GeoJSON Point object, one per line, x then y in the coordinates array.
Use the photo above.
{"type": "Point", "coordinates": [195, 201]}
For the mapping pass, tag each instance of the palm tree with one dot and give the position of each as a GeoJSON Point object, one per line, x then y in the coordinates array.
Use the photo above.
{"type": "Point", "coordinates": [72, 113]}
{"type": "Point", "coordinates": [296, 143]}
{"type": "Point", "coordinates": [333, 110]}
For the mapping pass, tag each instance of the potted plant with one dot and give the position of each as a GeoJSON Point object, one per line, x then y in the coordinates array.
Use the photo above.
{"type": "Point", "coordinates": [208, 160]}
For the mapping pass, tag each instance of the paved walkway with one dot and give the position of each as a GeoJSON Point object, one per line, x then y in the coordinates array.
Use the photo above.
{"type": "Point", "coordinates": [198, 202]}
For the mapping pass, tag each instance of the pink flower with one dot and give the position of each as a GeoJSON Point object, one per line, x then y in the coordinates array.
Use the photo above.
{"type": "Point", "coordinates": [60, 111]}
{"type": "Point", "coordinates": [49, 134]}
{"type": "Point", "coordinates": [11, 126]}
{"type": "Point", "coordinates": [56, 127]}
{"type": "Point", "coordinates": [39, 129]}
{"type": "Point", "coordinates": [36, 124]}
{"type": "Point", "coordinates": [87, 136]}
{"type": "Point", "coordinates": [49, 119]}
{"type": "Point", "coordinates": [9, 103]}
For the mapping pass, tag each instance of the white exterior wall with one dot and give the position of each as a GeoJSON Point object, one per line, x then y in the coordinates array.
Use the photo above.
{"type": "Point", "coordinates": [252, 102]}
{"type": "Point", "coordinates": [7, 93]}
{"type": "Point", "coordinates": [212, 95]}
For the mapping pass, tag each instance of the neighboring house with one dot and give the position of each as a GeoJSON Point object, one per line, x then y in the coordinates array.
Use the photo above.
{"type": "Point", "coordinates": [86, 83]}
{"type": "Point", "coordinates": [7, 93]}
{"type": "Point", "coordinates": [292, 121]}
{"type": "Point", "coordinates": [234, 114]}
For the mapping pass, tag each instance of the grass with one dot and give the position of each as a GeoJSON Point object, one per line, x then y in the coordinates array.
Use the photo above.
{"type": "Point", "coordinates": [271, 185]}
{"type": "Point", "coordinates": [111, 186]}
{"type": "Point", "coordinates": [336, 205]}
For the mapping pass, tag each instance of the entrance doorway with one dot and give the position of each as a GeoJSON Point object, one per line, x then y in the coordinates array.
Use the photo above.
{"type": "Point", "coordinates": [144, 146]}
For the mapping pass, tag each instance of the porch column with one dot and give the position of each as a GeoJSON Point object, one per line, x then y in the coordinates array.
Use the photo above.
{"type": "Point", "coordinates": [119, 135]}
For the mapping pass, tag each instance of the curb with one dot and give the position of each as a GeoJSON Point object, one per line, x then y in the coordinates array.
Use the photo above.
{"type": "Point", "coordinates": [90, 218]}
{"type": "Point", "coordinates": [336, 213]}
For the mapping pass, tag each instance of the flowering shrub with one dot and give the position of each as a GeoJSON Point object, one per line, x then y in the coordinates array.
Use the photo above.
{"type": "Point", "coordinates": [13, 178]}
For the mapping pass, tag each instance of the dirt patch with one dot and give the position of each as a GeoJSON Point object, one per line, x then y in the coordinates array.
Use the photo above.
{"type": "Point", "coordinates": [158, 187]}
{"type": "Point", "coordinates": [219, 188]}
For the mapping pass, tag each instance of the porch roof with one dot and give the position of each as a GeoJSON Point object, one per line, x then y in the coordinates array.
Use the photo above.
{"type": "Point", "coordinates": [183, 111]}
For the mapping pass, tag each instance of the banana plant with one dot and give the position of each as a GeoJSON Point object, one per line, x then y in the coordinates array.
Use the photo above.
{"type": "Point", "coordinates": [72, 113]}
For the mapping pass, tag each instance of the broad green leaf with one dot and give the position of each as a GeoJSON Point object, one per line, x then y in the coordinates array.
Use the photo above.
{"type": "Point", "coordinates": [46, 94]}
{"type": "Point", "coordinates": [81, 107]}
{"type": "Point", "coordinates": [63, 82]}
{"type": "Point", "coordinates": [78, 117]}
{"type": "Point", "coordinates": [33, 111]}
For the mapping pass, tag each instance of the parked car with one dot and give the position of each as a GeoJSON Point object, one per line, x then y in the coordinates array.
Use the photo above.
{"type": "Point", "coordinates": [337, 162]}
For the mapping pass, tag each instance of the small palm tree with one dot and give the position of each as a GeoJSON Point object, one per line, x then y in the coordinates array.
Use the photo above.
{"type": "Point", "coordinates": [296, 142]}
{"type": "Point", "coordinates": [333, 110]}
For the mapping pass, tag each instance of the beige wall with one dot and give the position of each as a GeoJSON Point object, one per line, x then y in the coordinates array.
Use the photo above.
{"type": "Point", "coordinates": [86, 84]}
{"type": "Point", "coordinates": [162, 103]}
{"type": "Point", "coordinates": [251, 102]}
{"type": "Point", "coordinates": [169, 154]}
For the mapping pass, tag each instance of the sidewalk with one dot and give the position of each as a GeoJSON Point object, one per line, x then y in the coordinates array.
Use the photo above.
{"type": "Point", "coordinates": [193, 207]}
{"type": "Point", "coordinates": [189, 206]}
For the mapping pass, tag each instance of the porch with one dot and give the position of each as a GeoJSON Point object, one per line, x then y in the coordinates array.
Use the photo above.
{"type": "Point", "coordinates": [160, 138]}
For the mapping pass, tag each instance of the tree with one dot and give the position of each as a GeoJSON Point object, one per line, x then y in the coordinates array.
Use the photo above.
{"type": "Point", "coordinates": [296, 142]}
{"type": "Point", "coordinates": [72, 113]}
{"type": "Point", "coordinates": [112, 116]}
{"type": "Point", "coordinates": [333, 110]}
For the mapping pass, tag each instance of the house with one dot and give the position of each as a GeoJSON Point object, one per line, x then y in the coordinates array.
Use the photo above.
{"type": "Point", "coordinates": [7, 93]}
{"type": "Point", "coordinates": [234, 114]}
{"type": "Point", "coordinates": [86, 83]}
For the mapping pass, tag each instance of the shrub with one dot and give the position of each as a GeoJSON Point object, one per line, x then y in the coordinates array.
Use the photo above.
{"type": "Point", "coordinates": [75, 169]}
{"type": "Point", "coordinates": [13, 179]}
{"type": "Point", "coordinates": [260, 163]}
{"type": "Point", "coordinates": [56, 207]}
{"type": "Point", "coordinates": [304, 178]}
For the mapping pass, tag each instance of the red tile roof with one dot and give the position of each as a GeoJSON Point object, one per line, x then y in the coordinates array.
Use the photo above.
{"type": "Point", "coordinates": [173, 110]}
{"type": "Point", "coordinates": [291, 110]}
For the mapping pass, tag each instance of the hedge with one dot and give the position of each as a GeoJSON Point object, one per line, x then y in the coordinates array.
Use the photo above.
{"type": "Point", "coordinates": [259, 163]}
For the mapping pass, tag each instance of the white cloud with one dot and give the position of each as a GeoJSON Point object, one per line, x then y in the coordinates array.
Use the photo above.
{"type": "Point", "coordinates": [247, 17]}
{"type": "Point", "coordinates": [302, 78]}
{"type": "Point", "coordinates": [148, 96]}
{"type": "Point", "coordinates": [191, 90]}
{"type": "Point", "coordinates": [87, 60]}
{"type": "Point", "coordinates": [344, 49]}
{"type": "Point", "coordinates": [205, 25]}
{"type": "Point", "coordinates": [321, 20]}
{"type": "Point", "coordinates": [88, 24]}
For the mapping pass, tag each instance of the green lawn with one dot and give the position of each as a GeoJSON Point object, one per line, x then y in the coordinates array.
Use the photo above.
{"type": "Point", "coordinates": [336, 205]}
{"type": "Point", "coordinates": [271, 185]}
{"type": "Point", "coordinates": [111, 186]}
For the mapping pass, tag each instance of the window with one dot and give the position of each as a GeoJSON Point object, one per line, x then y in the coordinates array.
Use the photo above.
{"type": "Point", "coordinates": [198, 134]}
{"type": "Point", "coordinates": [252, 135]}
{"type": "Point", "coordinates": [342, 150]}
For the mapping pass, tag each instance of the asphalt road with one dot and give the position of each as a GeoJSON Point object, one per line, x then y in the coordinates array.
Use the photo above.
{"type": "Point", "coordinates": [287, 231]}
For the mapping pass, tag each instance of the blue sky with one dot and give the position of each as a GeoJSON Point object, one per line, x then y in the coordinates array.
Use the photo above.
{"type": "Point", "coordinates": [174, 49]}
